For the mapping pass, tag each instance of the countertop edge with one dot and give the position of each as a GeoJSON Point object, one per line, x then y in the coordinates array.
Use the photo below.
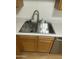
{"type": "Point", "coordinates": [38, 34]}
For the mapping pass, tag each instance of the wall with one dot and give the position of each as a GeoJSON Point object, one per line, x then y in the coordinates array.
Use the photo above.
{"type": "Point", "coordinates": [45, 8]}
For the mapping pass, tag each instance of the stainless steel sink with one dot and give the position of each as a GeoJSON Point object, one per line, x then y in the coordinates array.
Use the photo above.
{"type": "Point", "coordinates": [40, 26]}
{"type": "Point", "coordinates": [32, 27]}
{"type": "Point", "coordinates": [28, 27]}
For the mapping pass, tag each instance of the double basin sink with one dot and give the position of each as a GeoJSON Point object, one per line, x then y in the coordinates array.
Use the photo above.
{"type": "Point", "coordinates": [33, 27]}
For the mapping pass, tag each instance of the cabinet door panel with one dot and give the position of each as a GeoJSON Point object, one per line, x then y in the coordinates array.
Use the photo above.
{"type": "Point", "coordinates": [19, 46]}
{"type": "Point", "coordinates": [45, 43]}
{"type": "Point", "coordinates": [43, 47]}
{"type": "Point", "coordinates": [29, 43]}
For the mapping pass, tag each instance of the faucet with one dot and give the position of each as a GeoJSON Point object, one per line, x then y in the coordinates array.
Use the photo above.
{"type": "Point", "coordinates": [36, 12]}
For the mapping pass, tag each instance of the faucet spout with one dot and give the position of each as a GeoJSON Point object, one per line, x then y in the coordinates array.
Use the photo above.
{"type": "Point", "coordinates": [36, 12]}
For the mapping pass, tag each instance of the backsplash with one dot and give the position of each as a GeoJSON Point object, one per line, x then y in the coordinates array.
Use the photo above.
{"type": "Point", "coordinates": [45, 9]}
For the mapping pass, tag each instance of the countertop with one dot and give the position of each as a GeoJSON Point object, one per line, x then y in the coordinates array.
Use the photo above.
{"type": "Point", "coordinates": [27, 11]}
{"type": "Point", "coordinates": [56, 24]}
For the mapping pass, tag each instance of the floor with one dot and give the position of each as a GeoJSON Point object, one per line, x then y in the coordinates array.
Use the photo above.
{"type": "Point", "coordinates": [38, 56]}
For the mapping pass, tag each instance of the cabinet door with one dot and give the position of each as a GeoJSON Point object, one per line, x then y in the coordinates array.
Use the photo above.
{"type": "Point", "coordinates": [29, 42]}
{"type": "Point", "coordinates": [18, 45]}
{"type": "Point", "coordinates": [19, 3]}
{"type": "Point", "coordinates": [45, 43]}
{"type": "Point", "coordinates": [60, 5]}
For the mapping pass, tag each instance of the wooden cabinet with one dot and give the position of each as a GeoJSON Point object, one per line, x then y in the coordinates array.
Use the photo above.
{"type": "Point", "coordinates": [35, 43]}
{"type": "Point", "coordinates": [58, 4]}
{"type": "Point", "coordinates": [29, 43]}
{"type": "Point", "coordinates": [45, 43]}
{"type": "Point", "coordinates": [19, 3]}
{"type": "Point", "coordinates": [19, 46]}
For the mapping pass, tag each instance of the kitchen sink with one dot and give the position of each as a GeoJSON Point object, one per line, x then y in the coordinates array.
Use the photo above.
{"type": "Point", "coordinates": [32, 27]}
{"type": "Point", "coordinates": [28, 27]}
{"type": "Point", "coordinates": [41, 26]}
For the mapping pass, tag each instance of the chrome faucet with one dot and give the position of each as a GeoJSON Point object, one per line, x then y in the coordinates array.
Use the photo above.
{"type": "Point", "coordinates": [36, 12]}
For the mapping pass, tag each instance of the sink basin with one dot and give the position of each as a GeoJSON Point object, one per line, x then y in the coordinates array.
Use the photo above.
{"type": "Point", "coordinates": [32, 27]}
{"type": "Point", "coordinates": [45, 28]}
{"type": "Point", "coordinates": [28, 27]}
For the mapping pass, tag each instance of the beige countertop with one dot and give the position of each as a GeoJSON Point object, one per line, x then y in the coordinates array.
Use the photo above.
{"type": "Point", "coordinates": [57, 26]}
